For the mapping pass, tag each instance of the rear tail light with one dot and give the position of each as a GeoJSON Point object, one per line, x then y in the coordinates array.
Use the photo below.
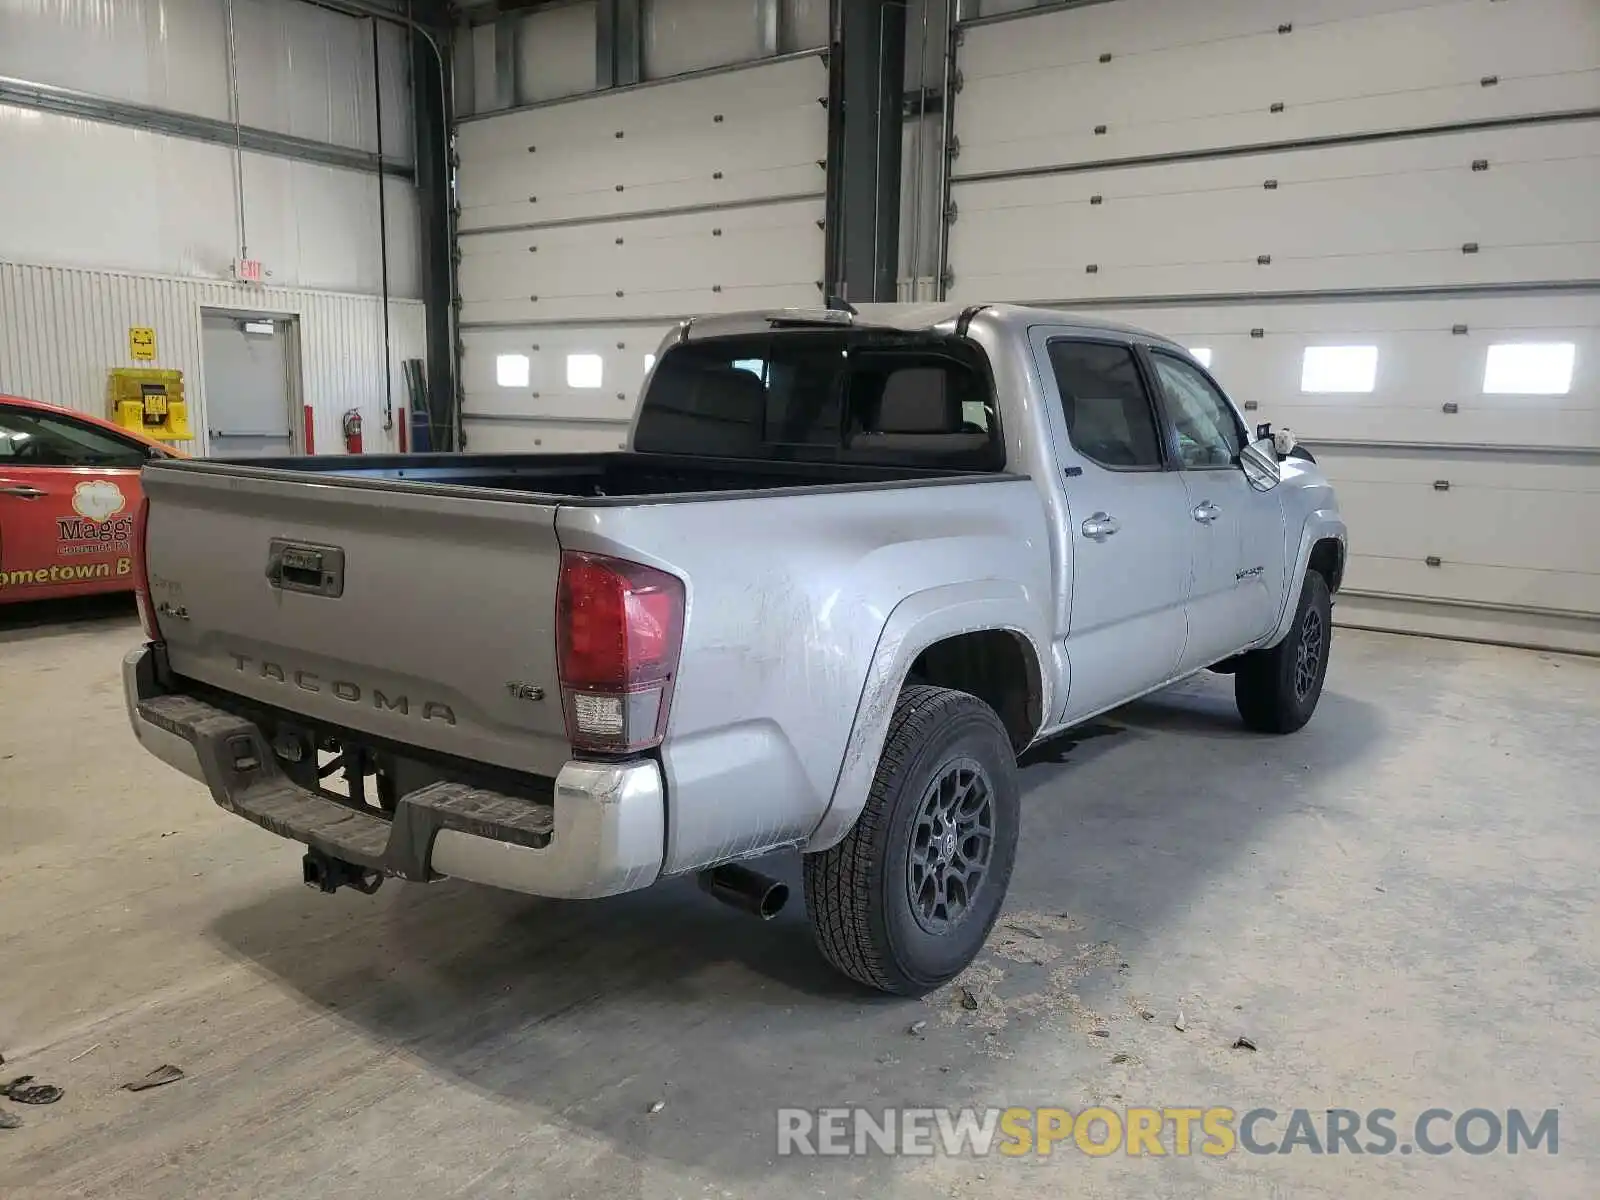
{"type": "Point", "coordinates": [141, 572]}
{"type": "Point", "coordinates": [619, 628]}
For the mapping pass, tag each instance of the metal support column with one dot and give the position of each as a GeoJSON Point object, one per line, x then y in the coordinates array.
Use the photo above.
{"type": "Point", "coordinates": [431, 116]}
{"type": "Point", "coordinates": [866, 83]}
{"type": "Point", "coordinates": [616, 43]}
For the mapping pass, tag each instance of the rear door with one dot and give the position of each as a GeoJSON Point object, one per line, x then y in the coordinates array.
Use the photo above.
{"type": "Point", "coordinates": [1236, 532]}
{"type": "Point", "coordinates": [1128, 576]}
{"type": "Point", "coordinates": [68, 493]}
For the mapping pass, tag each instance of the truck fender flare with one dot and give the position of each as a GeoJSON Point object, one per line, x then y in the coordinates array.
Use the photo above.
{"type": "Point", "coordinates": [917, 622]}
{"type": "Point", "coordinates": [1320, 524]}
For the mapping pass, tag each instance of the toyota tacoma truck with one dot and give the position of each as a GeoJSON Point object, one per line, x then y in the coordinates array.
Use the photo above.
{"type": "Point", "coordinates": [851, 564]}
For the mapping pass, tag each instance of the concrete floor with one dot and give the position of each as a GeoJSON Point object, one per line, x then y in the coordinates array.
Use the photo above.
{"type": "Point", "coordinates": [1397, 905]}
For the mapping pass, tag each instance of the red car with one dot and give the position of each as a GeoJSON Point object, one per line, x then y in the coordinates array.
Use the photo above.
{"type": "Point", "coordinates": [69, 494]}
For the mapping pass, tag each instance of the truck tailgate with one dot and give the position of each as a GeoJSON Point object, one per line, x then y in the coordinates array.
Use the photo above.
{"type": "Point", "coordinates": [423, 615]}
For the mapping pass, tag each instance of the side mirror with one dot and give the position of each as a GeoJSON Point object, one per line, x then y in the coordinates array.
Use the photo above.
{"type": "Point", "coordinates": [1283, 440]}
{"type": "Point", "coordinates": [1260, 462]}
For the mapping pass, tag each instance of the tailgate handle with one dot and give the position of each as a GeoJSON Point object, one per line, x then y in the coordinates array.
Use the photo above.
{"type": "Point", "coordinates": [302, 567]}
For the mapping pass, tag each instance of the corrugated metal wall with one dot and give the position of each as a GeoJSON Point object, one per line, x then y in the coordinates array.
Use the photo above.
{"type": "Point", "coordinates": [303, 70]}
{"type": "Point", "coordinates": [63, 328]}
{"type": "Point", "coordinates": [105, 224]}
{"type": "Point", "coordinates": [121, 199]}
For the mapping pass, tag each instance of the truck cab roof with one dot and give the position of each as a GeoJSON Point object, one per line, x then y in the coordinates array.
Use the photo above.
{"type": "Point", "coordinates": [906, 318]}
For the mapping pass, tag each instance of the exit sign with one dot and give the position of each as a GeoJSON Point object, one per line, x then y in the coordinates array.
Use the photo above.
{"type": "Point", "coordinates": [247, 270]}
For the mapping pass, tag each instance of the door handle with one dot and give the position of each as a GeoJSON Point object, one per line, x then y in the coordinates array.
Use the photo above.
{"type": "Point", "coordinates": [1206, 512]}
{"type": "Point", "coordinates": [1100, 526]}
{"type": "Point", "coordinates": [20, 490]}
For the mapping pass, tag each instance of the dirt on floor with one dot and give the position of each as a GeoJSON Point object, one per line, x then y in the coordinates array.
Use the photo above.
{"type": "Point", "coordinates": [1392, 910]}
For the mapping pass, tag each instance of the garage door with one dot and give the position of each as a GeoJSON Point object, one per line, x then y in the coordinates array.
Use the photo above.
{"type": "Point", "coordinates": [1376, 218]}
{"type": "Point", "coordinates": [588, 227]}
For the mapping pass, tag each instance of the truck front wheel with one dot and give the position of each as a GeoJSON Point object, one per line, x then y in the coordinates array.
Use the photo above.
{"type": "Point", "coordinates": [905, 902]}
{"type": "Point", "coordinates": [1277, 689]}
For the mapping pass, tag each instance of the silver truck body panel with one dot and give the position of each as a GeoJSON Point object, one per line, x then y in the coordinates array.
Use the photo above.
{"type": "Point", "coordinates": [780, 637]}
{"type": "Point", "coordinates": [448, 599]}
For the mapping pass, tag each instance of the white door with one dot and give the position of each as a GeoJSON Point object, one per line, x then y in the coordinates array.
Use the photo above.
{"type": "Point", "coordinates": [247, 362]}
{"type": "Point", "coordinates": [1128, 571]}
{"type": "Point", "coordinates": [1237, 532]}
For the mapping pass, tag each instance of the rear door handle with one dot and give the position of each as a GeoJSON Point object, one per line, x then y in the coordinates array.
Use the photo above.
{"type": "Point", "coordinates": [21, 490]}
{"type": "Point", "coordinates": [1100, 526]}
{"type": "Point", "coordinates": [1206, 512]}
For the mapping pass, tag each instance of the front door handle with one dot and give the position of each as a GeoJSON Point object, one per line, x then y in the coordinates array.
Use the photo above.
{"type": "Point", "coordinates": [1100, 526]}
{"type": "Point", "coordinates": [1206, 512]}
{"type": "Point", "coordinates": [21, 490]}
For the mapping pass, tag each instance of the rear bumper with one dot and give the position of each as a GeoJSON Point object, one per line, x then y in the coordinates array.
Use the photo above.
{"type": "Point", "coordinates": [602, 833]}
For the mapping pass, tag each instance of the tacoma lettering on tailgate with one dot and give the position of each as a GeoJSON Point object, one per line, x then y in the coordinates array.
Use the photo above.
{"type": "Point", "coordinates": [343, 689]}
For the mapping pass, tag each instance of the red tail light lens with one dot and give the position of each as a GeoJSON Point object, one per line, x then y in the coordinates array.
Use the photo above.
{"type": "Point", "coordinates": [141, 572]}
{"type": "Point", "coordinates": [619, 628]}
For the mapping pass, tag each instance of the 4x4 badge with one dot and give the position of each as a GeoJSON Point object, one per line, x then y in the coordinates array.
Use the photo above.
{"type": "Point", "coordinates": [524, 691]}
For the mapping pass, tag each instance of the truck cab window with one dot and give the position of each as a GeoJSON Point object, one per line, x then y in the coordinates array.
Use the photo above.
{"type": "Point", "coordinates": [1108, 412]}
{"type": "Point", "coordinates": [1208, 432]}
{"type": "Point", "coordinates": [841, 396]}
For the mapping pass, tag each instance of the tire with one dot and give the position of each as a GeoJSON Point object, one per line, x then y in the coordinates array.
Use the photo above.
{"type": "Point", "coordinates": [1277, 689]}
{"type": "Point", "coordinates": [943, 748]}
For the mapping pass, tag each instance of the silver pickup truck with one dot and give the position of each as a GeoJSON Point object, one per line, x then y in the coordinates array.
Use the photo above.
{"type": "Point", "coordinates": [850, 566]}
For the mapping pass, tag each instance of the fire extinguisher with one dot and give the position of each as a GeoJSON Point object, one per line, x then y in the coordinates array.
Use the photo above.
{"type": "Point", "coordinates": [352, 431]}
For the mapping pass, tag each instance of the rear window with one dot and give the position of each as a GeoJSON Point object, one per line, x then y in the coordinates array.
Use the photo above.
{"type": "Point", "coordinates": [831, 396]}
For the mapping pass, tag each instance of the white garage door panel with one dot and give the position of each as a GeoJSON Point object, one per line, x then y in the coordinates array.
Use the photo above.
{"type": "Point", "coordinates": [1422, 365]}
{"type": "Point", "coordinates": [1516, 528]}
{"type": "Point", "coordinates": [1221, 276]}
{"type": "Point", "coordinates": [623, 349]}
{"type": "Point", "coordinates": [1185, 76]}
{"type": "Point", "coordinates": [1125, 158]}
{"type": "Point", "coordinates": [761, 130]}
{"type": "Point", "coordinates": [1541, 427]}
{"type": "Point", "coordinates": [1527, 318]}
{"type": "Point", "coordinates": [753, 169]}
{"type": "Point", "coordinates": [1570, 476]}
{"type": "Point", "coordinates": [591, 225]}
{"type": "Point", "coordinates": [1201, 227]}
{"type": "Point", "coordinates": [1546, 631]}
{"type": "Point", "coordinates": [511, 437]}
{"type": "Point", "coordinates": [1468, 583]}
{"type": "Point", "coordinates": [1509, 531]}
{"type": "Point", "coordinates": [676, 265]}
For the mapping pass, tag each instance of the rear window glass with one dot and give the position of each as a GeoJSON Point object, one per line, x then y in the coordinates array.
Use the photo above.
{"type": "Point", "coordinates": [828, 396]}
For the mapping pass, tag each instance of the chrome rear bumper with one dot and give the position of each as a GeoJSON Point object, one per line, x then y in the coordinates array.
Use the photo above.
{"type": "Point", "coordinates": [602, 833]}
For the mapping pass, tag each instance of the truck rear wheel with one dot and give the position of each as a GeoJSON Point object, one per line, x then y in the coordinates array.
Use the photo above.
{"type": "Point", "coordinates": [905, 902]}
{"type": "Point", "coordinates": [1277, 689]}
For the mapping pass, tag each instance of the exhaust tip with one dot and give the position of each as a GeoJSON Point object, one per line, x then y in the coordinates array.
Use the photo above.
{"type": "Point", "coordinates": [747, 890]}
{"type": "Point", "coordinates": [773, 901]}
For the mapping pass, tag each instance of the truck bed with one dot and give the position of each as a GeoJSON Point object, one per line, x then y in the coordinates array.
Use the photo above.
{"type": "Point", "coordinates": [633, 477]}
{"type": "Point", "coordinates": [413, 598]}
